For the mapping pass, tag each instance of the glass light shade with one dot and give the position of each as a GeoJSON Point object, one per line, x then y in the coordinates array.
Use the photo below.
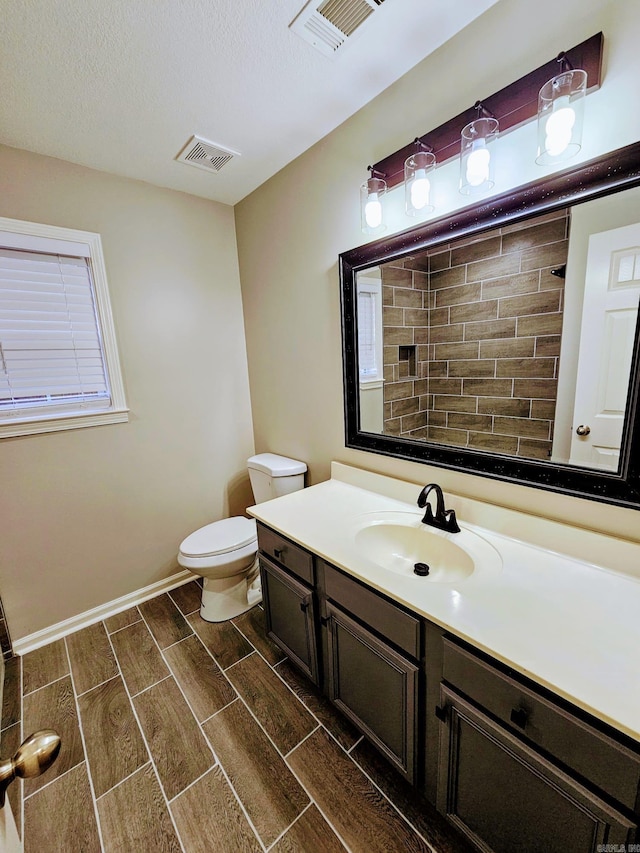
{"type": "Point", "coordinates": [418, 175]}
{"type": "Point", "coordinates": [476, 162]}
{"type": "Point", "coordinates": [560, 116]}
{"type": "Point", "coordinates": [372, 207]}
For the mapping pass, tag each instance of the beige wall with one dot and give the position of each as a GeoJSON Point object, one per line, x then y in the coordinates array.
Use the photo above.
{"type": "Point", "coordinates": [92, 514]}
{"type": "Point", "coordinates": [291, 230]}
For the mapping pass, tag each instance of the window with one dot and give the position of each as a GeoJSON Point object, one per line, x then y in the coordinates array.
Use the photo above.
{"type": "Point", "coordinates": [59, 365]}
{"type": "Point", "coordinates": [369, 291]}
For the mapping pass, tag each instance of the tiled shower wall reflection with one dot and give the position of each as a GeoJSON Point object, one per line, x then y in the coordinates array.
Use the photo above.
{"type": "Point", "coordinates": [5, 638]}
{"type": "Point", "coordinates": [472, 339]}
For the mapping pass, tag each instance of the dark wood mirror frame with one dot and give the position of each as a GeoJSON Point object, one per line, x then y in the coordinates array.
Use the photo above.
{"type": "Point", "coordinates": [611, 173]}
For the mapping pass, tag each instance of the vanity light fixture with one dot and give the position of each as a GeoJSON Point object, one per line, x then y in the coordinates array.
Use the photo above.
{"type": "Point", "coordinates": [418, 169]}
{"type": "Point", "coordinates": [476, 163]}
{"type": "Point", "coordinates": [560, 114]}
{"type": "Point", "coordinates": [371, 206]}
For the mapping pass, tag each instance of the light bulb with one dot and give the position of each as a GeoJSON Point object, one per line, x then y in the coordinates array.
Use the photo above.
{"type": "Point", "coordinates": [420, 188]}
{"type": "Point", "coordinates": [478, 164]}
{"type": "Point", "coordinates": [373, 211]}
{"type": "Point", "coordinates": [559, 127]}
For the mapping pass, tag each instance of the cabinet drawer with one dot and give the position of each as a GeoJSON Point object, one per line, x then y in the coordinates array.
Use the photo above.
{"type": "Point", "coordinates": [595, 756]}
{"type": "Point", "coordinates": [287, 553]}
{"type": "Point", "coordinates": [395, 624]}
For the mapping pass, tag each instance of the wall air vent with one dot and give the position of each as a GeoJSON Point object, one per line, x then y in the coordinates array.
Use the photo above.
{"type": "Point", "coordinates": [329, 24]}
{"type": "Point", "coordinates": [203, 154]}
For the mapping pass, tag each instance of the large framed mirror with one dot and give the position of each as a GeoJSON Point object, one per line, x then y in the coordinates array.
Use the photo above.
{"type": "Point", "coordinates": [503, 340]}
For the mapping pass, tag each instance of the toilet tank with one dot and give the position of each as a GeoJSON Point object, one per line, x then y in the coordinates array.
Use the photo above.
{"type": "Point", "coordinates": [272, 476]}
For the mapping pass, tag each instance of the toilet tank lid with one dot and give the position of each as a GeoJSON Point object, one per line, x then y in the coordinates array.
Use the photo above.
{"type": "Point", "coordinates": [229, 534]}
{"type": "Point", "coordinates": [277, 466]}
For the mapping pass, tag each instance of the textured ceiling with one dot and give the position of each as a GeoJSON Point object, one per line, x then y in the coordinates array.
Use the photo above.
{"type": "Point", "coordinates": [121, 85]}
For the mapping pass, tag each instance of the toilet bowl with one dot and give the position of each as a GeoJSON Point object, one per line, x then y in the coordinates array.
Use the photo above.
{"type": "Point", "coordinates": [224, 553]}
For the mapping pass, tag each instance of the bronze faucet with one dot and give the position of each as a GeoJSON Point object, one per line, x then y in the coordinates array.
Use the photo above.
{"type": "Point", "coordinates": [444, 519]}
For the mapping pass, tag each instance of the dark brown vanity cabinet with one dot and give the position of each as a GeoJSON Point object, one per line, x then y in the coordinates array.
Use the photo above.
{"type": "Point", "coordinates": [290, 602]}
{"type": "Point", "coordinates": [372, 672]}
{"type": "Point", "coordinates": [519, 774]}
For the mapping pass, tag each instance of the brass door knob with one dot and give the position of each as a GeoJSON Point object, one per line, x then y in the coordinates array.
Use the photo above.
{"type": "Point", "coordinates": [583, 430]}
{"type": "Point", "coordinates": [35, 755]}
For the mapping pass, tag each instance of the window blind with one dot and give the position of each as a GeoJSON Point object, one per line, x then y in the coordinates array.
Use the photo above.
{"type": "Point", "coordinates": [51, 355]}
{"type": "Point", "coordinates": [367, 333]}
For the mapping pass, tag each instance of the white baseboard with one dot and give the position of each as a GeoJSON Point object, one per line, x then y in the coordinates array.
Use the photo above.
{"type": "Point", "coordinates": [97, 614]}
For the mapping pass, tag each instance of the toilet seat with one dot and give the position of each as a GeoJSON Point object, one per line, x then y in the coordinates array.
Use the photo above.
{"type": "Point", "coordinates": [220, 537]}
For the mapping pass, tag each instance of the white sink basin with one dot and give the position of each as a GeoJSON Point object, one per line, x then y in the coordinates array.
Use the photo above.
{"type": "Point", "coordinates": [396, 541]}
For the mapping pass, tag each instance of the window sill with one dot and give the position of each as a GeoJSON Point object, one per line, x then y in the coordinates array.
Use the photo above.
{"type": "Point", "coordinates": [57, 424]}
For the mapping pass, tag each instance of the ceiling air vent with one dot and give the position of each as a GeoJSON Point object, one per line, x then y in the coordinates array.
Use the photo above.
{"type": "Point", "coordinates": [205, 155]}
{"type": "Point", "coordinates": [328, 24]}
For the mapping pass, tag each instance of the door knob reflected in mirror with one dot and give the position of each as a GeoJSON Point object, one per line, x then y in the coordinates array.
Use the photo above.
{"type": "Point", "coordinates": [35, 755]}
{"type": "Point", "coordinates": [583, 430]}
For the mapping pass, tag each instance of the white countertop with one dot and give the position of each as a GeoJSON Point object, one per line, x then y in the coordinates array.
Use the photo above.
{"type": "Point", "coordinates": [567, 624]}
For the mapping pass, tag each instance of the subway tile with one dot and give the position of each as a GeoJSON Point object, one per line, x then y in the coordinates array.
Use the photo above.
{"type": "Point", "coordinates": [495, 443]}
{"type": "Point", "coordinates": [122, 620]}
{"type": "Point", "coordinates": [511, 285]}
{"type": "Point", "coordinates": [547, 302]}
{"type": "Point", "coordinates": [209, 818]}
{"type": "Point", "coordinates": [541, 368]}
{"type": "Point", "coordinates": [397, 336]}
{"type": "Point", "coordinates": [538, 325]}
{"type": "Point", "coordinates": [488, 387]}
{"type": "Point", "coordinates": [525, 427]}
{"type": "Point", "coordinates": [549, 281]}
{"type": "Point", "coordinates": [165, 621]}
{"type": "Point", "coordinates": [439, 316]}
{"type": "Point", "coordinates": [455, 403]}
{"type": "Point", "coordinates": [508, 406]}
{"type": "Point", "coordinates": [543, 409]}
{"type": "Point", "coordinates": [61, 817]}
{"type": "Point", "coordinates": [387, 294]}
{"type": "Point", "coordinates": [134, 817]}
{"type": "Point", "coordinates": [222, 639]}
{"type": "Point", "coordinates": [460, 420]}
{"type": "Point", "coordinates": [437, 369]}
{"type": "Point", "coordinates": [252, 625]}
{"type": "Point", "coordinates": [420, 335]}
{"type": "Point", "coordinates": [11, 699]}
{"type": "Point", "coordinates": [270, 793]}
{"type": "Point", "coordinates": [548, 346]}
{"type": "Point", "coordinates": [420, 386]}
{"type": "Point", "coordinates": [393, 426]}
{"type": "Point", "coordinates": [416, 421]}
{"type": "Point", "coordinates": [534, 235]}
{"type": "Point", "coordinates": [187, 597]}
{"type": "Point", "coordinates": [405, 298]}
{"type": "Point", "coordinates": [493, 267]}
{"type": "Point", "coordinates": [458, 351]}
{"type": "Point", "coordinates": [177, 746]}
{"type": "Point", "coordinates": [392, 316]}
{"type": "Point", "coordinates": [437, 419]}
{"type": "Point", "coordinates": [140, 661]}
{"type": "Point", "coordinates": [473, 367]}
{"type": "Point", "coordinates": [458, 295]}
{"type": "Point", "coordinates": [54, 707]}
{"type": "Point", "coordinates": [448, 278]}
{"type": "Point", "coordinates": [474, 311]}
{"type": "Point", "coordinates": [530, 449]}
{"type": "Point", "coordinates": [44, 665]}
{"type": "Point", "coordinates": [416, 317]}
{"type": "Point", "coordinates": [280, 713]}
{"type": "Point", "coordinates": [488, 247]}
{"type": "Point", "coordinates": [553, 254]}
{"type": "Point", "coordinates": [445, 386]}
{"type": "Point", "coordinates": [201, 679]}
{"type": "Point", "coordinates": [508, 348]}
{"type": "Point", "coordinates": [92, 660]}
{"type": "Point", "coordinates": [397, 391]}
{"type": "Point", "coordinates": [396, 275]}
{"type": "Point", "coordinates": [448, 436]}
{"type": "Point", "coordinates": [390, 355]}
{"type": "Point", "coordinates": [364, 819]}
{"type": "Point", "coordinates": [545, 389]}
{"type": "Point", "coordinates": [418, 262]}
{"type": "Point", "coordinates": [490, 329]}
{"type": "Point", "coordinates": [408, 406]}
{"type": "Point", "coordinates": [444, 334]}
{"type": "Point", "coordinates": [113, 742]}
{"type": "Point", "coordinates": [440, 261]}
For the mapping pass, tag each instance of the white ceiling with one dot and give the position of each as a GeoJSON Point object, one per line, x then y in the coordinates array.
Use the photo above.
{"type": "Point", "coordinates": [121, 85]}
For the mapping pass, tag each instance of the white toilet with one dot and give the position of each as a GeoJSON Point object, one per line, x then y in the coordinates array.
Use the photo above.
{"type": "Point", "coordinates": [225, 553]}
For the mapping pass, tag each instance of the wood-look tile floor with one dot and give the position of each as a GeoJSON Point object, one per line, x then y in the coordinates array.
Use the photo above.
{"type": "Point", "coordinates": [183, 735]}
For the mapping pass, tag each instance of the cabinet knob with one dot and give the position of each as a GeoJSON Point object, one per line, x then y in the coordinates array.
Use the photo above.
{"type": "Point", "coordinates": [304, 605]}
{"type": "Point", "coordinates": [278, 552]}
{"type": "Point", "coordinates": [519, 717]}
{"type": "Point", "coordinates": [441, 713]}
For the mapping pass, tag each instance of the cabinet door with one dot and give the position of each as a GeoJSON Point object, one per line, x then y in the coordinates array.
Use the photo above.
{"type": "Point", "coordinates": [506, 798]}
{"type": "Point", "coordinates": [375, 687]}
{"type": "Point", "coordinates": [290, 617]}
